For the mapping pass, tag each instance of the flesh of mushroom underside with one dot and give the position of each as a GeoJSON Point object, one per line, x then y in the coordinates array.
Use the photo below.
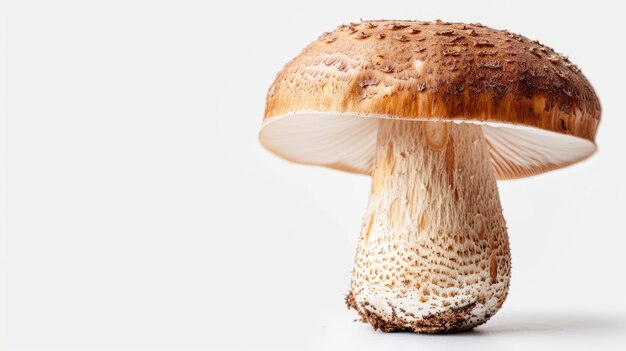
{"type": "Point", "coordinates": [433, 253]}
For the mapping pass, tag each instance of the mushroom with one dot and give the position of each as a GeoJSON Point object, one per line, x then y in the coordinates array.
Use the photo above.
{"type": "Point", "coordinates": [435, 113]}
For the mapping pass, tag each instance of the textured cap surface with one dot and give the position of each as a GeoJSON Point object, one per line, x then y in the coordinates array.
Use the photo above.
{"type": "Point", "coordinates": [537, 110]}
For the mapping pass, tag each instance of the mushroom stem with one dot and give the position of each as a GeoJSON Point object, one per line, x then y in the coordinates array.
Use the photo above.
{"type": "Point", "coordinates": [433, 254]}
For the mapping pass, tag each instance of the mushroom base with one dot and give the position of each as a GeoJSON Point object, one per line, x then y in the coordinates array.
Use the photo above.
{"type": "Point", "coordinates": [433, 253]}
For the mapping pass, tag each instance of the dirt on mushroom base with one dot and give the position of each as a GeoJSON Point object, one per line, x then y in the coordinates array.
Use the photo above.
{"type": "Point", "coordinates": [454, 320]}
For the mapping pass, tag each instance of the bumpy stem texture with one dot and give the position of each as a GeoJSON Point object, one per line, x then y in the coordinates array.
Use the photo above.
{"type": "Point", "coordinates": [433, 253]}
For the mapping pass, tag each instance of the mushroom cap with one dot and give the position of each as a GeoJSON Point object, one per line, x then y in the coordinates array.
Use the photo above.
{"type": "Point", "coordinates": [537, 110]}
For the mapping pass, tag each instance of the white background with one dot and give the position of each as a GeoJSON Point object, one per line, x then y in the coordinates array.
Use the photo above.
{"type": "Point", "coordinates": [142, 212]}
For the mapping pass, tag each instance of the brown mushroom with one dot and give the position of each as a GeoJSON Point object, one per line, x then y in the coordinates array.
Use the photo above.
{"type": "Point", "coordinates": [435, 112]}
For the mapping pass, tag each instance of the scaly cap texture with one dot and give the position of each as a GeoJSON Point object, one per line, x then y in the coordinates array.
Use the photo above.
{"type": "Point", "coordinates": [431, 71]}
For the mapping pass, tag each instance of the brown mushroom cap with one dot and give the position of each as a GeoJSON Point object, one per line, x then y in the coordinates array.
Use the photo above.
{"type": "Point", "coordinates": [537, 110]}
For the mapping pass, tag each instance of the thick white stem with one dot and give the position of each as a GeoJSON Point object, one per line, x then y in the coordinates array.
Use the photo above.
{"type": "Point", "coordinates": [433, 254]}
